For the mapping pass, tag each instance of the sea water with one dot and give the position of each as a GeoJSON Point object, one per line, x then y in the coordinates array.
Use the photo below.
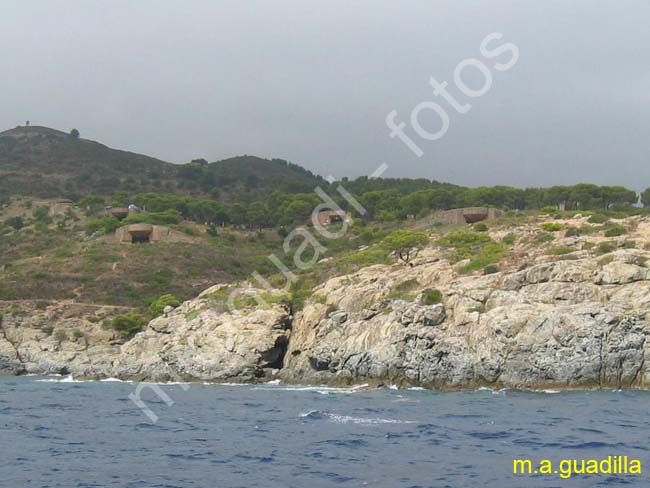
{"type": "Point", "coordinates": [57, 432]}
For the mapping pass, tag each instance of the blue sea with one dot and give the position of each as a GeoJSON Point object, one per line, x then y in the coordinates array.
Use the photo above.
{"type": "Point", "coordinates": [56, 432]}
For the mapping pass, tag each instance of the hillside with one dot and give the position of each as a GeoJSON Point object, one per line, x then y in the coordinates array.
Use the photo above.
{"type": "Point", "coordinates": [531, 302]}
{"type": "Point", "coordinates": [48, 163]}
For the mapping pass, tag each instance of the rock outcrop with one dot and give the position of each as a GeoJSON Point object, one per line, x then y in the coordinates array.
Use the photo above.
{"type": "Point", "coordinates": [580, 321]}
{"type": "Point", "coordinates": [201, 340]}
{"type": "Point", "coordinates": [563, 324]}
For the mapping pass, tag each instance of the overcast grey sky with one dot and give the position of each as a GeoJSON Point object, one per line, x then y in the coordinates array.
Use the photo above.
{"type": "Point", "coordinates": [312, 82]}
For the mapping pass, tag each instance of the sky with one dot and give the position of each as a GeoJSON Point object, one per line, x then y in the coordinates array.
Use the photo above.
{"type": "Point", "coordinates": [314, 81]}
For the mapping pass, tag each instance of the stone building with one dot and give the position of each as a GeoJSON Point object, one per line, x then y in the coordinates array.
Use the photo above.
{"type": "Point", "coordinates": [329, 217]}
{"type": "Point", "coordinates": [468, 215]}
{"type": "Point", "coordinates": [148, 233]}
{"type": "Point", "coordinates": [142, 233]}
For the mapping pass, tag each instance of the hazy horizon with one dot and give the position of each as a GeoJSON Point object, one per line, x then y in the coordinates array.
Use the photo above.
{"type": "Point", "coordinates": [313, 84]}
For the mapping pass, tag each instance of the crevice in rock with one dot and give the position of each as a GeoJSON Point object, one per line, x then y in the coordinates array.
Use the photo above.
{"type": "Point", "coordinates": [274, 357]}
{"type": "Point", "coordinates": [14, 346]}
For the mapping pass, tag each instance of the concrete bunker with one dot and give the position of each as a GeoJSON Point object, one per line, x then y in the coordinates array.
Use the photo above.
{"type": "Point", "coordinates": [468, 215]}
{"type": "Point", "coordinates": [140, 233]}
{"type": "Point", "coordinates": [330, 217]}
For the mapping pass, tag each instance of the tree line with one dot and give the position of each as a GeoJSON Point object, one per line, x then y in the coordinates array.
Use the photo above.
{"type": "Point", "coordinates": [382, 203]}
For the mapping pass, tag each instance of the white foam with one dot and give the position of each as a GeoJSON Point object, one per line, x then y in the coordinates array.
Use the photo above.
{"type": "Point", "coordinates": [323, 390]}
{"type": "Point", "coordinates": [346, 419]}
{"type": "Point", "coordinates": [66, 379]}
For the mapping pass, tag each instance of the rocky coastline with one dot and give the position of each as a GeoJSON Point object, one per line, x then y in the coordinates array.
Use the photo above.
{"type": "Point", "coordinates": [579, 323]}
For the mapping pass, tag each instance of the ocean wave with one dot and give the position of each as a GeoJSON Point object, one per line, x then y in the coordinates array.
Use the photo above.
{"type": "Point", "coordinates": [323, 390]}
{"type": "Point", "coordinates": [61, 379]}
{"type": "Point", "coordinates": [347, 419]}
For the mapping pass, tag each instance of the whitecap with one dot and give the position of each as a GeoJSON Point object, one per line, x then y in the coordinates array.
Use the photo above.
{"type": "Point", "coordinates": [66, 379]}
{"type": "Point", "coordinates": [345, 419]}
{"type": "Point", "coordinates": [115, 380]}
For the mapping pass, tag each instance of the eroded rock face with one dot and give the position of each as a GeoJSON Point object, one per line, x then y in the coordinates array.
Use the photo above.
{"type": "Point", "coordinates": [56, 340]}
{"type": "Point", "coordinates": [198, 342]}
{"type": "Point", "coordinates": [553, 325]}
{"type": "Point", "coordinates": [556, 324]}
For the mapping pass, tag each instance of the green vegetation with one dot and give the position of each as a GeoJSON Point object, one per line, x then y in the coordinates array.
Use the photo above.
{"type": "Point", "coordinates": [128, 325]}
{"type": "Point", "coordinates": [158, 305]}
{"type": "Point", "coordinates": [615, 230]}
{"type": "Point", "coordinates": [405, 243]}
{"type": "Point", "coordinates": [431, 296]}
{"type": "Point", "coordinates": [597, 219]}
{"type": "Point", "coordinates": [509, 239]}
{"type": "Point", "coordinates": [543, 238]}
{"type": "Point", "coordinates": [480, 227]}
{"type": "Point", "coordinates": [606, 247]}
{"type": "Point", "coordinates": [234, 214]}
{"type": "Point", "coordinates": [404, 291]}
{"type": "Point", "coordinates": [166, 217]}
{"type": "Point", "coordinates": [572, 232]}
{"type": "Point", "coordinates": [479, 248]}
{"type": "Point", "coordinates": [552, 226]}
{"type": "Point", "coordinates": [104, 225]}
{"type": "Point", "coordinates": [561, 250]}
{"type": "Point", "coordinates": [16, 223]}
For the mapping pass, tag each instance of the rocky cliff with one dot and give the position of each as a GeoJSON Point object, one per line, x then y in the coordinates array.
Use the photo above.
{"type": "Point", "coordinates": [543, 321]}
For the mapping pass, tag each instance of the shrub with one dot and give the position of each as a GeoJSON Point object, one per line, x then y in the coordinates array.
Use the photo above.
{"type": "Point", "coordinates": [615, 230]}
{"type": "Point", "coordinates": [105, 225]}
{"type": "Point", "coordinates": [552, 226]}
{"type": "Point", "coordinates": [464, 241]}
{"type": "Point", "coordinates": [128, 325]}
{"type": "Point", "coordinates": [477, 247]}
{"type": "Point", "coordinates": [606, 260]}
{"type": "Point", "coordinates": [42, 214]}
{"type": "Point", "coordinates": [431, 296]}
{"type": "Point", "coordinates": [480, 227]}
{"type": "Point", "coordinates": [606, 247]}
{"type": "Point", "coordinates": [548, 210]}
{"type": "Point", "coordinates": [561, 250]}
{"type": "Point", "coordinates": [572, 232]}
{"type": "Point", "coordinates": [490, 269]}
{"type": "Point", "coordinates": [212, 230]}
{"type": "Point", "coordinates": [60, 335]}
{"type": "Point", "coordinates": [405, 243]}
{"type": "Point", "coordinates": [16, 223]}
{"type": "Point", "coordinates": [300, 291]}
{"type": "Point", "coordinates": [543, 238]}
{"type": "Point", "coordinates": [403, 290]}
{"type": "Point", "coordinates": [167, 217]}
{"type": "Point", "coordinates": [158, 305]}
{"type": "Point", "coordinates": [509, 239]}
{"type": "Point", "coordinates": [597, 219]}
